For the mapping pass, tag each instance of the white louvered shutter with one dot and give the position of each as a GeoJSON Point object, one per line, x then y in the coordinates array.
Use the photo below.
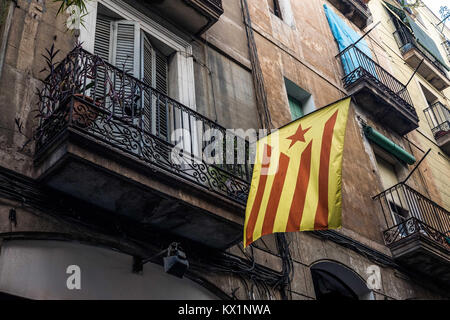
{"type": "Point", "coordinates": [161, 85]}
{"type": "Point", "coordinates": [154, 72]}
{"type": "Point", "coordinates": [102, 48]}
{"type": "Point", "coordinates": [147, 77]}
{"type": "Point", "coordinates": [126, 49]}
{"type": "Point", "coordinates": [125, 56]}
{"type": "Point", "coordinates": [103, 37]}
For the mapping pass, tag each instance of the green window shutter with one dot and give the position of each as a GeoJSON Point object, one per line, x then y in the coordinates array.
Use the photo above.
{"type": "Point", "coordinates": [296, 108]}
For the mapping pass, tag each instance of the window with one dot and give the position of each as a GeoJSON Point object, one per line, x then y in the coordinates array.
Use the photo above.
{"type": "Point", "coordinates": [274, 7]}
{"type": "Point", "coordinates": [124, 44]}
{"type": "Point", "coordinates": [387, 172]}
{"type": "Point", "coordinates": [120, 34]}
{"type": "Point", "coordinates": [432, 112]}
{"type": "Point", "coordinates": [300, 101]}
{"type": "Point", "coordinates": [296, 108]}
{"type": "Point", "coordinates": [388, 168]}
{"type": "Point", "coordinates": [130, 40]}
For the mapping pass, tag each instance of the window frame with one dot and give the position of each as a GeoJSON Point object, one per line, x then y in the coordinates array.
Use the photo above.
{"type": "Point", "coordinates": [275, 8]}
{"type": "Point", "coordinates": [182, 66]}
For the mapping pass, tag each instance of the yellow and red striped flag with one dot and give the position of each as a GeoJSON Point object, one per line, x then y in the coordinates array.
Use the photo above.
{"type": "Point", "coordinates": [296, 183]}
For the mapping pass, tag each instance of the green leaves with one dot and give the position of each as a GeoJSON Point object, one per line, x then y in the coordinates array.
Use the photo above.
{"type": "Point", "coordinates": [81, 4]}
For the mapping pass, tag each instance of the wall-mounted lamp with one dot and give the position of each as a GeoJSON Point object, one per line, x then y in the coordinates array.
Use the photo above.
{"type": "Point", "coordinates": [175, 263]}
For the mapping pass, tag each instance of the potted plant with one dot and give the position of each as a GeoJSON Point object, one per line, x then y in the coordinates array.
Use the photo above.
{"type": "Point", "coordinates": [66, 82]}
{"type": "Point", "coordinates": [85, 110]}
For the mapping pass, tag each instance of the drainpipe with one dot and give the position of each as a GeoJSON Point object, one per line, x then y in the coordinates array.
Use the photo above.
{"type": "Point", "coordinates": [258, 78]}
{"type": "Point", "coordinates": [4, 38]}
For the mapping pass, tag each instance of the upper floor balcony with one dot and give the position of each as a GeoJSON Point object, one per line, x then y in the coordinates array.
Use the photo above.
{"type": "Point", "coordinates": [356, 11]}
{"type": "Point", "coordinates": [418, 56]}
{"type": "Point", "coordinates": [110, 139]}
{"type": "Point", "coordinates": [194, 16]}
{"type": "Point", "coordinates": [438, 117]}
{"type": "Point", "coordinates": [378, 91]}
{"type": "Point", "coordinates": [418, 231]}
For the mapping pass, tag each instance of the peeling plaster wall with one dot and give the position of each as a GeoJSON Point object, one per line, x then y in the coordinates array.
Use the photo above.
{"type": "Point", "coordinates": [305, 54]}
{"type": "Point", "coordinates": [34, 28]}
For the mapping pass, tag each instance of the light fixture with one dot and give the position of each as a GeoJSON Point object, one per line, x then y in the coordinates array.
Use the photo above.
{"type": "Point", "coordinates": [175, 263]}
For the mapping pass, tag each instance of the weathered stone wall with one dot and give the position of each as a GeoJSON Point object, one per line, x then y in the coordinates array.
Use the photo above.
{"type": "Point", "coordinates": [34, 28]}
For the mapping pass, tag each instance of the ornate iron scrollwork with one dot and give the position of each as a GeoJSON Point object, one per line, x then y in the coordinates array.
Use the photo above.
{"type": "Point", "coordinates": [97, 99]}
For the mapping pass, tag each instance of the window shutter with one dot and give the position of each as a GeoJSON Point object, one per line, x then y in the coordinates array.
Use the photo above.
{"type": "Point", "coordinates": [102, 48]}
{"type": "Point", "coordinates": [161, 72]}
{"type": "Point", "coordinates": [126, 49]}
{"type": "Point", "coordinates": [147, 77]}
{"type": "Point", "coordinates": [296, 108]}
{"type": "Point", "coordinates": [126, 59]}
{"type": "Point", "coordinates": [160, 83]}
{"type": "Point", "coordinates": [102, 38]}
{"type": "Point", "coordinates": [154, 70]}
{"type": "Point", "coordinates": [147, 61]}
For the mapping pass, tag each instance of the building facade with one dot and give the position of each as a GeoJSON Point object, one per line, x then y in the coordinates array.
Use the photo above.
{"type": "Point", "coordinates": [92, 196]}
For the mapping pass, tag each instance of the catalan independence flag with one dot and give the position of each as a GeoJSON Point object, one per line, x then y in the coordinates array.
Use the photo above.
{"type": "Point", "coordinates": [296, 183]}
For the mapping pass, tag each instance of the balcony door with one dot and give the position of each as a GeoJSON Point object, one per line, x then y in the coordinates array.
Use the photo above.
{"type": "Point", "coordinates": [123, 44]}
{"type": "Point", "coordinates": [396, 196]}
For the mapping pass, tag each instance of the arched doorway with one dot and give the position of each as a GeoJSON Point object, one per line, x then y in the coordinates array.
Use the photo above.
{"type": "Point", "coordinates": [334, 281]}
{"type": "Point", "coordinates": [39, 269]}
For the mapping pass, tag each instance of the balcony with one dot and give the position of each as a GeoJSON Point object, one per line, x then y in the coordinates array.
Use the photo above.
{"type": "Point", "coordinates": [193, 16]}
{"type": "Point", "coordinates": [356, 11]}
{"type": "Point", "coordinates": [106, 138]}
{"type": "Point", "coordinates": [379, 92]}
{"type": "Point", "coordinates": [418, 231]}
{"type": "Point", "coordinates": [438, 117]}
{"type": "Point", "coordinates": [413, 53]}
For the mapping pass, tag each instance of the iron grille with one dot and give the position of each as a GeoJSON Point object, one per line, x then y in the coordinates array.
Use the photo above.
{"type": "Point", "coordinates": [408, 213]}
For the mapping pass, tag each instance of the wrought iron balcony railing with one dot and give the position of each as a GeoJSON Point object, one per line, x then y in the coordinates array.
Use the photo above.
{"type": "Point", "coordinates": [438, 117]}
{"type": "Point", "coordinates": [406, 42]}
{"type": "Point", "coordinates": [97, 100]}
{"type": "Point", "coordinates": [217, 3]}
{"type": "Point", "coordinates": [362, 3]}
{"type": "Point", "coordinates": [408, 213]}
{"type": "Point", "coordinates": [356, 11]}
{"type": "Point", "coordinates": [359, 66]}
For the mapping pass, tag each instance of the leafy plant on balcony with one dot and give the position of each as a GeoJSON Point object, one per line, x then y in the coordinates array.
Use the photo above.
{"type": "Point", "coordinates": [77, 75]}
{"type": "Point", "coordinates": [76, 8]}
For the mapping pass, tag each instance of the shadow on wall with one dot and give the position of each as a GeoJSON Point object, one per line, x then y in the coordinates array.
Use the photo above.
{"type": "Point", "coordinates": [334, 281]}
